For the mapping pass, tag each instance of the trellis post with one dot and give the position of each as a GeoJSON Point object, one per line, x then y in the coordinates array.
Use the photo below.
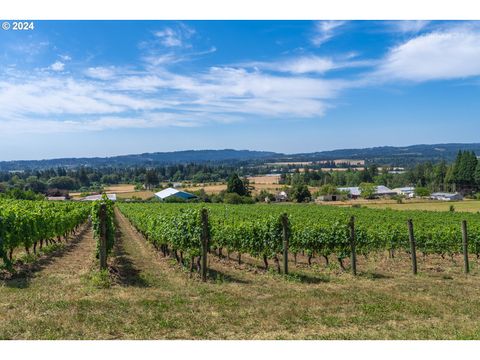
{"type": "Point", "coordinates": [413, 248]}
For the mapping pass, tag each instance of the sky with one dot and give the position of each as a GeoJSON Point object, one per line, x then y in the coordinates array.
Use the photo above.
{"type": "Point", "coordinates": [104, 88]}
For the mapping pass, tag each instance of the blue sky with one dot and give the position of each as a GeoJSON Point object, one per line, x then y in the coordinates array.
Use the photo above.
{"type": "Point", "coordinates": [101, 88]}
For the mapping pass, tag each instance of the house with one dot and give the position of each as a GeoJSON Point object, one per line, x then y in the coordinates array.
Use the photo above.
{"type": "Point", "coordinates": [281, 196]}
{"type": "Point", "coordinates": [168, 192]}
{"type": "Point", "coordinates": [355, 192]}
{"type": "Point", "coordinates": [330, 197]}
{"type": "Point", "coordinates": [112, 197]}
{"type": "Point", "coordinates": [407, 191]}
{"type": "Point", "coordinates": [56, 198]}
{"type": "Point", "coordinates": [384, 191]}
{"type": "Point", "coordinates": [446, 196]}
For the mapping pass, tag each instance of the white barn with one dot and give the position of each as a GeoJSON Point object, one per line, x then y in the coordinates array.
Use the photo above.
{"type": "Point", "coordinates": [168, 192]}
{"type": "Point", "coordinates": [446, 196]}
{"type": "Point", "coordinates": [112, 197]}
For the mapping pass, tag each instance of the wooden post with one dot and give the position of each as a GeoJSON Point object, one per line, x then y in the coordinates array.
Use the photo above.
{"type": "Point", "coordinates": [103, 236]}
{"type": "Point", "coordinates": [353, 255]}
{"type": "Point", "coordinates": [205, 241]}
{"type": "Point", "coordinates": [412, 246]}
{"type": "Point", "coordinates": [466, 267]}
{"type": "Point", "coordinates": [285, 242]}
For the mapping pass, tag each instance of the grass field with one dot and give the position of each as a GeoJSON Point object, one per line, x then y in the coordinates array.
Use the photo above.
{"type": "Point", "coordinates": [153, 298]}
{"type": "Point", "coordinates": [431, 205]}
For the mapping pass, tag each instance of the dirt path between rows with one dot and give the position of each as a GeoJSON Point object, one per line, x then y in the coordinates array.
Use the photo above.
{"type": "Point", "coordinates": [75, 259]}
{"type": "Point", "coordinates": [134, 259]}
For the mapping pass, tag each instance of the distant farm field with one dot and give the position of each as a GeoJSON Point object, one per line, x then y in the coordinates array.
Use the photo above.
{"type": "Point", "coordinates": [430, 205]}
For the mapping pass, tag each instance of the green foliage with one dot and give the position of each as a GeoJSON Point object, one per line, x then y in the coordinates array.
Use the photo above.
{"type": "Point", "coordinates": [62, 182]}
{"type": "Point", "coordinates": [234, 198]}
{"type": "Point", "coordinates": [422, 191]}
{"type": "Point", "coordinates": [367, 190]}
{"type": "Point", "coordinates": [256, 230]}
{"type": "Point", "coordinates": [18, 194]}
{"type": "Point", "coordinates": [99, 279]}
{"type": "Point", "coordinates": [264, 194]}
{"type": "Point", "coordinates": [24, 223]}
{"type": "Point", "coordinates": [109, 222]}
{"type": "Point", "coordinates": [300, 193]}
{"type": "Point", "coordinates": [236, 185]}
{"type": "Point", "coordinates": [328, 189]}
{"type": "Point", "coordinates": [464, 170]}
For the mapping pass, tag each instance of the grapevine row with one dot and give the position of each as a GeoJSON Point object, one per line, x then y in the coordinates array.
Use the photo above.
{"type": "Point", "coordinates": [27, 224]}
{"type": "Point", "coordinates": [257, 230]}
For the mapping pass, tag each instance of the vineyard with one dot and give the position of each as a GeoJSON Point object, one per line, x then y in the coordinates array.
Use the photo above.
{"type": "Point", "coordinates": [313, 230]}
{"type": "Point", "coordinates": [28, 224]}
{"type": "Point", "coordinates": [140, 291]}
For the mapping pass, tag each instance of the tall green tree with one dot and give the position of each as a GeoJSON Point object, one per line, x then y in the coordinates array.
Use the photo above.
{"type": "Point", "coordinates": [300, 193]}
{"type": "Point", "coordinates": [236, 185]}
{"type": "Point", "coordinates": [464, 171]}
{"type": "Point", "coordinates": [367, 190]}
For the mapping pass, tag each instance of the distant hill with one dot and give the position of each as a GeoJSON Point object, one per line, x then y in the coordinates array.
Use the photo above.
{"type": "Point", "coordinates": [145, 159]}
{"type": "Point", "coordinates": [396, 156]}
{"type": "Point", "coordinates": [384, 155]}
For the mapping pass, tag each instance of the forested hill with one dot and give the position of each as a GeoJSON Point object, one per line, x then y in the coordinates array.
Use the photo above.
{"type": "Point", "coordinates": [385, 155]}
{"type": "Point", "coordinates": [396, 156]}
{"type": "Point", "coordinates": [145, 159]}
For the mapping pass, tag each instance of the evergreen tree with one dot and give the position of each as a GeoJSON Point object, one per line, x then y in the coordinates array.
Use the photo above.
{"type": "Point", "coordinates": [477, 175]}
{"type": "Point", "coordinates": [235, 185]}
{"type": "Point", "coordinates": [464, 171]}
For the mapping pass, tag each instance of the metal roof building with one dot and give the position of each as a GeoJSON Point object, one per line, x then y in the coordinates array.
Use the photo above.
{"type": "Point", "coordinates": [354, 191]}
{"type": "Point", "coordinates": [112, 197]}
{"type": "Point", "coordinates": [166, 193]}
{"type": "Point", "coordinates": [446, 196]}
{"type": "Point", "coordinates": [380, 190]}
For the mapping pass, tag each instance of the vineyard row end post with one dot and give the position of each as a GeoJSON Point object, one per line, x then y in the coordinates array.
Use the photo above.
{"type": "Point", "coordinates": [285, 242]}
{"type": "Point", "coordinates": [103, 237]}
{"type": "Point", "coordinates": [353, 253]}
{"type": "Point", "coordinates": [413, 248]}
{"type": "Point", "coordinates": [205, 242]}
{"type": "Point", "coordinates": [466, 268]}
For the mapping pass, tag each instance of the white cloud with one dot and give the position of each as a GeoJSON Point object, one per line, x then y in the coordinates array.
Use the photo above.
{"type": "Point", "coordinates": [409, 26]}
{"type": "Point", "coordinates": [325, 30]}
{"type": "Point", "coordinates": [309, 64]}
{"type": "Point", "coordinates": [300, 65]}
{"type": "Point", "coordinates": [147, 99]}
{"type": "Point", "coordinates": [102, 73]}
{"type": "Point", "coordinates": [434, 56]}
{"type": "Point", "coordinates": [171, 37]}
{"type": "Point", "coordinates": [65, 57]}
{"type": "Point", "coordinates": [57, 66]}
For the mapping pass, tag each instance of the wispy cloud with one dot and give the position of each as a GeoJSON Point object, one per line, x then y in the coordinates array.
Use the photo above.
{"type": "Point", "coordinates": [101, 72]}
{"type": "Point", "coordinates": [325, 30]}
{"type": "Point", "coordinates": [309, 64]}
{"type": "Point", "coordinates": [175, 37]}
{"type": "Point", "coordinates": [408, 26]}
{"type": "Point", "coordinates": [57, 66]}
{"type": "Point", "coordinates": [159, 98]}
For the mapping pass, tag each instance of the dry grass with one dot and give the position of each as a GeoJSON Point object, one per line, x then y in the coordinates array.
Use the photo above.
{"type": "Point", "coordinates": [414, 204]}
{"type": "Point", "coordinates": [121, 188]}
{"type": "Point", "coordinates": [264, 179]}
{"type": "Point", "coordinates": [144, 195]}
{"type": "Point", "coordinates": [153, 298]}
{"type": "Point", "coordinates": [209, 189]}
